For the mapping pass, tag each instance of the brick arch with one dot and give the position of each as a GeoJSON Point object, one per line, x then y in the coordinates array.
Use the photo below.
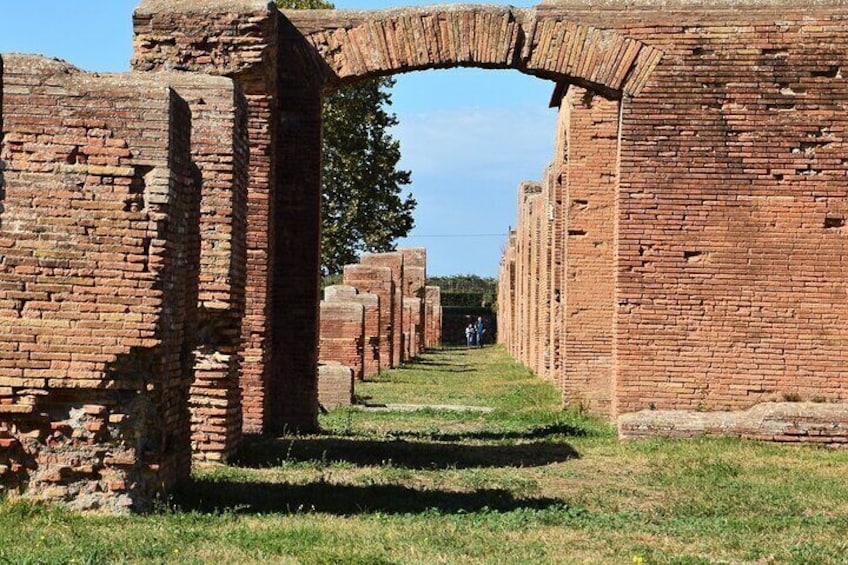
{"type": "Point", "coordinates": [356, 45]}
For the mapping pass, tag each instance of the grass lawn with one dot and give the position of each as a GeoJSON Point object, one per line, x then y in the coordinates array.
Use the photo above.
{"type": "Point", "coordinates": [525, 483]}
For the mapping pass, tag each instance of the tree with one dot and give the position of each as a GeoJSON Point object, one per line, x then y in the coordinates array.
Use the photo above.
{"type": "Point", "coordinates": [363, 208]}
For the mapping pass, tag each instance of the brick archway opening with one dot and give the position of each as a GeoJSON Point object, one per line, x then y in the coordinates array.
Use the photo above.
{"type": "Point", "coordinates": [284, 63]}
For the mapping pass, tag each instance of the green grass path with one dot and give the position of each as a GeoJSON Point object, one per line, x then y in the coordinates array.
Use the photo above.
{"type": "Point", "coordinates": [525, 483]}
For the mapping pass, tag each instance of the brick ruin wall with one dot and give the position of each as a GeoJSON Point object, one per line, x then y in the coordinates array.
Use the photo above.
{"type": "Point", "coordinates": [433, 317]}
{"type": "Point", "coordinates": [683, 256]}
{"type": "Point", "coordinates": [356, 330]}
{"type": "Point", "coordinates": [698, 232]}
{"type": "Point", "coordinates": [371, 338]}
{"type": "Point", "coordinates": [377, 281]}
{"type": "Point", "coordinates": [342, 335]}
{"type": "Point", "coordinates": [395, 262]}
{"type": "Point", "coordinates": [99, 270]}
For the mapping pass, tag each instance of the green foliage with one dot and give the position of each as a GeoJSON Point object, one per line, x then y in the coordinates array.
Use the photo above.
{"type": "Point", "coordinates": [464, 283]}
{"type": "Point", "coordinates": [467, 291]}
{"type": "Point", "coordinates": [363, 208]}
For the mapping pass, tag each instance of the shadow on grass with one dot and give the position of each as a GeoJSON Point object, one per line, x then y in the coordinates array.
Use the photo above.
{"type": "Point", "coordinates": [400, 453]}
{"type": "Point", "coordinates": [436, 367]}
{"type": "Point", "coordinates": [539, 432]}
{"type": "Point", "coordinates": [204, 495]}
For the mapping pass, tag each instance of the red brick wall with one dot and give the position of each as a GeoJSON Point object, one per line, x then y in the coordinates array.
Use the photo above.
{"type": "Point", "coordinates": [730, 279]}
{"type": "Point", "coordinates": [378, 281]}
{"type": "Point", "coordinates": [590, 206]}
{"type": "Point", "coordinates": [342, 335]}
{"type": "Point", "coordinates": [727, 238]}
{"type": "Point", "coordinates": [371, 341]}
{"type": "Point", "coordinates": [724, 237]}
{"type": "Point", "coordinates": [98, 285]}
{"type": "Point", "coordinates": [394, 261]}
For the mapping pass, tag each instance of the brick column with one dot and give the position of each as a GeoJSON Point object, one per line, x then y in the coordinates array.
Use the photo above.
{"type": "Point", "coordinates": [297, 241]}
{"type": "Point", "coordinates": [394, 261]}
{"type": "Point", "coordinates": [377, 281]}
{"type": "Point", "coordinates": [590, 249]}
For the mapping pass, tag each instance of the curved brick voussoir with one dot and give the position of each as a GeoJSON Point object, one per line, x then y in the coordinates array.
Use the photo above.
{"type": "Point", "coordinates": [361, 44]}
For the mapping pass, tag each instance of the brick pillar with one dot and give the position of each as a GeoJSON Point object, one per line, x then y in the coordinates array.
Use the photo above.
{"type": "Point", "coordinates": [220, 151]}
{"type": "Point", "coordinates": [342, 335]}
{"type": "Point", "coordinates": [371, 338]}
{"type": "Point", "coordinates": [394, 261]}
{"type": "Point", "coordinates": [415, 276]}
{"type": "Point", "coordinates": [590, 249]}
{"type": "Point", "coordinates": [433, 298]}
{"type": "Point", "coordinates": [377, 281]}
{"type": "Point", "coordinates": [529, 192]}
{"type": "Point", "coordinates": [297, 241]}
{"type": "Point", "coordinates": [559, 172]}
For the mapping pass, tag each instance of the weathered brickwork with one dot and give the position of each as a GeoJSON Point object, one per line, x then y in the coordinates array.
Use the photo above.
{"type": "Point", "coordinates": [412, 315]}
{"type": "Point", "coordinates": [433, 317]}
{"type": "Point", "coordinates": [98, 285]}
{"type": "Point", "coordinates": [702, 227]}
{"type": "Point", "coordinates": [415, 279]}
{"type": "Point", "coordinates": [592, 177]}
{"type": "Point", "coordinates": [342, 335]}
{"type": "Point", "coordinates": [683, 256]}
{"type": "Point", "coordinates": [393, 261]}
{"type": "Point", "coordinates": [377, 281]}
{"type": "Point", "coordinates": [335, 386]}
{"type": "Point", "coordinates": [252, 43]}
{"type": "Point", "coordinates": [220, 154]}
{"type": "Point", "coordinates": [371, 338]}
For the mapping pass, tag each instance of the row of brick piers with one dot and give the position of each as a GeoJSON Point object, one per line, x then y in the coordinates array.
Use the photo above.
{"type": "Point", "coordinates": [383, 315]}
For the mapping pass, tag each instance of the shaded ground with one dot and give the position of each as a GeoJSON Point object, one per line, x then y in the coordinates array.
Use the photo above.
{"type": "Point", "coordinates": [525, 483]}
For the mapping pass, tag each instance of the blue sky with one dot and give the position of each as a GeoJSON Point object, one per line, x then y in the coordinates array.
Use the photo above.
{"type": "Point", "coordinates": [469, 136]}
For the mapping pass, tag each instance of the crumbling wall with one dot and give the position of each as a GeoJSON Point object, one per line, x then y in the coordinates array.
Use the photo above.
{"type": "Point", "coordinates": [433, 317]}
{"type": "Point", "coordinates": [371, 304]}
{"type": "Point", "coordinates": [377, 281]}
{"type": "Point", "coordinates": [98, 286]}
{"type": "Point", "coordinates": [394, 261]}
{"type": "Point", "coordinates": [342, 335]}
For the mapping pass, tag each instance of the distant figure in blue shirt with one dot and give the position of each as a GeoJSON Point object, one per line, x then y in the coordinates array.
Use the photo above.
{"type": "Point", "coordinates": [479, 330]}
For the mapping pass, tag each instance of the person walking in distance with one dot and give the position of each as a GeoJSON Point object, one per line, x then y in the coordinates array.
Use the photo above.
{"type": "Point", "coordinates": [469, 335]}
{"type": "Point", "coordinates": [479, 330]}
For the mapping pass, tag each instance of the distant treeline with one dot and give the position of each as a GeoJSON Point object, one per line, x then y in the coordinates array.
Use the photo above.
{"type": "Point", "coordinates": [467, 291]}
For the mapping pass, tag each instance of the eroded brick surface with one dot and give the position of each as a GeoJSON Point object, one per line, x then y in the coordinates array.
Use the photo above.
{"type": "Point", "coordinates": [380, 282]}
{"type": "Point", "coordinates": [98, 285]}
{"type": "Point", "coordinates": [371, 339]}
{"type": "Point", "coordinates": [335, 385]}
